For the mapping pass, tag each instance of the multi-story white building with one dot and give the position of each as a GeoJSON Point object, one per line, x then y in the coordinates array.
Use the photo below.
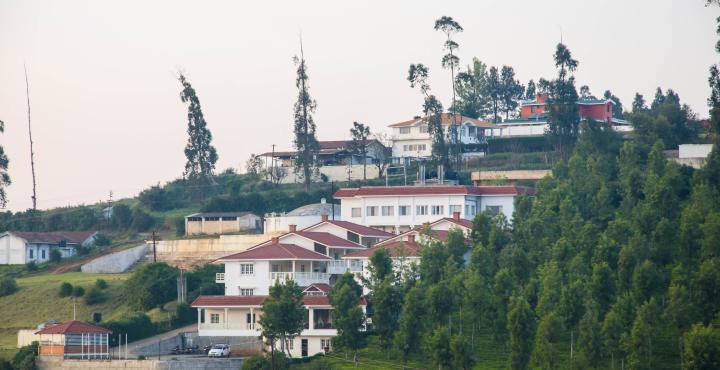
{"type": "Point", "coordinates": [401, 208]}
{"type": "Point", "coordinates": [310, 257]}
{"type": "Point", "coordinates": [411, 139]}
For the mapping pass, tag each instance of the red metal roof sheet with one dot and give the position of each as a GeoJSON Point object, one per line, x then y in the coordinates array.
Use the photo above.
{"type": "Point", "coordinates": [394, 249]}
{"type": "Point", "coordinates": [277, 252]}
{"type": "Point", "coordinates": [328, 239]}
{"type": "Point", "coordinates": [74, 327]}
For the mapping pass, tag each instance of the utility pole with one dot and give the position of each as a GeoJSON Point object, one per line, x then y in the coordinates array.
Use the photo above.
{"type": "Point", "coordinates": [32, 154]}
{"type": "Point", "coordinates": [154, 239]}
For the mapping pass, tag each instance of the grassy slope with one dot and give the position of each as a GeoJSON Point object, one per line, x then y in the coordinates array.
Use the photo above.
{"type": "Point", "coordinates": [38, 301]}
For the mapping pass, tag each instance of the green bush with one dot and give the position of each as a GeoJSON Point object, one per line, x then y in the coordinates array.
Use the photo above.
{"type": "Point", "coordinates": [6, 365]}
{"type": "Point", "coordinates": [255, 363]}
{"type": "Point", "coordinates": [184, 314]}
{"type": "Point", "coordinates": [66, 290]}
{"type": "Point", "coordinates": [78, 291]}
{"type": "Point", "coordinates": [137, 326]}
{"type": "Point", "coordinates": [101, 240]}
{"type": "Point", "coordinates": [101, 284]}
{"type": "Point", "coordinates": [150, 286]}
{"type": "Point", "coordinates": [31, 266]}
{"type": "Point", "coordinates": [24, 359]}
{"type": "Point", "coordinates": [141, 221]}
{"type": "Point", "coordinates": [121, 217]}
{"type": "Point", "coordinates": [8, 286]}
{"type": "Point", "coordinates": [94, 296]}
{"type": "Point", "coordinates": [55, 256]}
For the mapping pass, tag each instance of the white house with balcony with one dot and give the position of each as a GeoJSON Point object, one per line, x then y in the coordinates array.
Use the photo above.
{"type": "Point", "coordinates": [401, 208]}
{"type": "Point", "coordinates": [411, 139]}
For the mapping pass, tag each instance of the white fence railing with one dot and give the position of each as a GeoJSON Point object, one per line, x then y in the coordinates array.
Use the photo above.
{"type": "Point", "coordinates": [301, 278]}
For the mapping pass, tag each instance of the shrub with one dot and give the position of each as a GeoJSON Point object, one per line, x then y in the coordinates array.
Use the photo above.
{"type": "Point", "coordinates": [55, 256]}
{"type": "Point", "coordinates": [31, 266]}
{"type": "Point", "coordinates": [150, 286]}
{"type": "Point", "coordinates": [8, 286]}
{"type": "Point", "coordinates": [101, 240]}
{"type": "Point", "coordinates": [137, 326]}
{"type": "Point", "coordinates": [94, 296]}
{"type": "Point", "coordinates": [78, 291]}
{"type": "Point", "coordinates": [66, 290]}
{"type": "Point", "coordinates": [180, 226]}
{"type": "Point", "coordinates": [101, 284]}
{"type": "Point", "coordinates": [24, 359]}
{"type": "Point", "coordinates": [141, 221]}
{"type": "Point", "coordinates": [121, 216]}
{"type": "Point", "coordinates": [255, 363]}
{"type": "Point", "coordinates": [5, 365]}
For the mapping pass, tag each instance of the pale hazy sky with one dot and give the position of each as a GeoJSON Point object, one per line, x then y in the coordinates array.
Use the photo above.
{"type": "Point", "coordinates": [107, 115]}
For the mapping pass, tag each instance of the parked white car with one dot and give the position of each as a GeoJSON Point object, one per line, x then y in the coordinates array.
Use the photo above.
{"type": "Point", "coordinates": [219, 350]}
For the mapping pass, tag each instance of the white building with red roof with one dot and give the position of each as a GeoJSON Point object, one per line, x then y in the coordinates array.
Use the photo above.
{"type": "Point", "coordinates": [401, 208]}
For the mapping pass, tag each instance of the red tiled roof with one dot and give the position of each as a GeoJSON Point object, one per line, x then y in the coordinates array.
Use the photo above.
{"type": "Point", "coordinates": [361, 230]}
{"type": "Point", "coordinates": [319, 286]}
{"type": "Point", "coordinates": [431, 190]}
{"type": "Point", "coordinates": [73, 327]}
{"type": "Point", "coordinates": [447, 119]}
{"type": "Point", "coordinates": [277, 252]}
{"type": "Point", "coordinates": [328, 239]}
{"type": "Point", "coordinates": [462, 222]}
{"type": "Point", "coordinates": [256, 300]}
{"type": "Point", "coordinates": [326, 147]}
{"type": "Point", "coordinates": [411, 249]}
{"type": "Point", "coordinates": [227, 300]}
{"type": "Point", "coordinates": [54, 237]}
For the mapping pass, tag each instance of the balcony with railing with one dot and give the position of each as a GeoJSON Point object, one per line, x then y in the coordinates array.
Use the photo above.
{"type": "Point", "coordinates": [220, 277]}
{"type": "Point", "coordinates": [337, 267]}
{"type": "Point", "coordinates": [356, 265]}
{"type": "Point", "coordinates": [301, 278]}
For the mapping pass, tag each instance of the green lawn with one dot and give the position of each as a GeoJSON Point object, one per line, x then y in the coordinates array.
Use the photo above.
{"type": "Point", "coordinates": [37, 301]}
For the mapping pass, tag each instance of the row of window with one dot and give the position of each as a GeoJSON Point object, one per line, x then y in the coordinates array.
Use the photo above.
{"type": "Point", "coordinates": [414, 148]}
{"type": "Point", "coordinates": [227, 218]}
{"type": "Point", "coordinates": [422, 210]}
{"type": "Point", "coordinates": [406, 130]}
{"type": "Point", "coordinates": [470, 130]}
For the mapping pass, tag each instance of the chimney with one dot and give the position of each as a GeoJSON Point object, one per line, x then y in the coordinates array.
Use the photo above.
{"type": "Point", "coordinates": [275, 240]}
{"type": "Point", "coordinates": [456, 216]}
{"type": "Point", "coordinates": [324, 218]}
{"type": "Point", "coordinates": [411, 238]}
{"type": "Point", "coordinates": [293, 228]}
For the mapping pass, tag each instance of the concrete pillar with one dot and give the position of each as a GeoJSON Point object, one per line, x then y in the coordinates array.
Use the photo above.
{"type": "Point", "coordinates": [311, 319]}
{"type": "Point", "coordinates": [199, 319]}
{"type": "Point", "coordinates": [225, 323]}
{"type": "Point", "coordinates": [252, 318]}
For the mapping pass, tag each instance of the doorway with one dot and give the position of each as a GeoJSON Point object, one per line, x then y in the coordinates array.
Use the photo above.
{"type": "Point", "coordinates": [304, 347]}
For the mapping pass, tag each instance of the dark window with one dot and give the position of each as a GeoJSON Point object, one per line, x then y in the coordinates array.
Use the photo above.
{"type": "Point", "coordinates": [42, 254]}
{"type": "Point", "coordinates": [249, 319]}
{"type": "Point", "coordinates": [31, 254]}
{"type": "Point", "coordinates": [320, 248]}
{"type": "Point", "coordinates": [63, 243]}
{"type": "Point", "coordinates": [229, 218]}
{"type": "Point", "coordinates": [202, 315]}
{"type": "Point", "coordinates": [212, 218]}
{"type": "Point", "coordinates": [194, 219]}
{"type": "Point", "coordinates": [353, 237]}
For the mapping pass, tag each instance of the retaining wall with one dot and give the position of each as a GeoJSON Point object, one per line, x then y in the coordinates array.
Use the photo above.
{"type": "Point", "coordinates": [48, 363]}
{"type": "Point", "coordinates": [188, 253]}
{"type": "Point", "coordinates": [117, 262]}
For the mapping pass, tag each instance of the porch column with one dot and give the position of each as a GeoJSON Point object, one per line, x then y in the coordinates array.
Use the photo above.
{"type": "Point", "coordinates": [225, 321]}
{"type": "Point", "coordinates": [252, 318]}
{"type": "Point", "coordinates": [311, 319]}
{"type": "Point", "coordinates": [199, 312]}
{"type": "Point", "coordinates": [293, 269]}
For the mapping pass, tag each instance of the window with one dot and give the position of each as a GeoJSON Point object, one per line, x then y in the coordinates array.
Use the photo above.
{"type": "Point", "coordinates": [247, 269]}
{"type": "Point", "coordinates": [414, 148]}
{"type": "Point", "coordinates": [275, 268]}
{"type": "Point", "coordinates": [472, 130]}
{"type": "Point", "coordinates": [371, 211]}
{"type": "Point", "coordinates": [355, 212]}
{"type": "Point", "coordinates": [388, 211]}
{"type": "Point", "coordinates": [247, 292]}
{"type": "Point", "coordinates": [436, 210]}
{"type": "Point", "coordinates": [423, 129]}
{"type": "Point", "coordinates": [229, 218]}
{"type": "Point", "coordinates": [250, 318]}
{"type": "Point", "coordinates": [472, 210]}
{"type": "Point", "coordinates": [421, 210]}
{"type": "Point", "coordinates": [212, 218]}
{"type": "Point", "coordinates": [455, 208]}
{"type": "Point", "coordinates": [214, 318]}
{"type": "Point", "coordinates": [493, 209]}
{"type": "Point", "coordinates": [42, 254]}
{"type": "Point", "coordinates": [404, 210]}
{"type": "Point", "coordinates": [533, 109]}
{"type": "Point", "coordinates": [302, 268]}
{"type": "Point", "coordinates": [608, 107]}
{"type": "Point", "coordinates": [404, 130]}
{"type": "Point", "coordinates": [194, 219]}
{"type": "Point", "coordinates": [202, 315]}
{"type": "Point", "coordinates": [325, 343]}
{"type": "Point", "coordinates": [467, 210]}
{"type": "Point", "coordinates": [290, 343]}
{"type": "Point", "coordinates": [32, 255]}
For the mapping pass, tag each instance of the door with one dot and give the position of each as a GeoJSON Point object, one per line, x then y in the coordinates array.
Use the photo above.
{"type": "Point", "coordinates": [304, 347]}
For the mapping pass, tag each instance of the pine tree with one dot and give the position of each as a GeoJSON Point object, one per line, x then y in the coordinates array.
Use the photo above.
{"type": "Point", "coordinates": [450, 61]}
{"type": "Point", "coordinates": [530, 90]}
{"type": "Point", "coordinates": [409, 335]}
{"type": "Point", "coordinates": [511, 89]}
{"type": "Point", "coordinates": [432, 113]}
{"type": "Point", "coordinates": [4, 176]}
{"type": "Point", "coordinates": [494, 84]}
{"type": "Point", "coordinates": [546, 352]}
{"type": "Point", "coordinates": [305, 141]}
{"type": "Point", "coordinates": [563, 116]}
{"type": "Point", "coordinates": [521, 331]}
{"type": "Point", "coordinates": [201, 155]}
{"type": "Point", "coordinates": [359, 144]}
{"type": "Point", "coordinates": [638, 104]}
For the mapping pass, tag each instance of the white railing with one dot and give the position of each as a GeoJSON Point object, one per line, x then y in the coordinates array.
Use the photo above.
{"type": "Point", "coordinates": [301, 278]}
{"type": "Point", "coordinates": [252, 326]}
{"type": "Point", "coordinates": [337, 267]}
{"type": "Point", "coordinates": [220, 277]}
{"type": "Point", "coordinates": [356, 265]}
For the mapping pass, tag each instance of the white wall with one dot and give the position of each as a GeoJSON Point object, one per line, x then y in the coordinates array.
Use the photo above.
{"type": "Point", "coordinates": [282, 223]}
{"type": "Point", "coordinates": [413, 201]}
{"type": "Point", "coordinates": [507, 203]}
{"type": "Point", "coordinates": [335, 173]}
{"type": "Point", "coordinates": [260, 280]}
{"type": "Point", "coordinates": [12, 250]}
{"type": "Point", "coordinates": [694, 150]}
{"type": "Point", "coordinates": [529, 129]}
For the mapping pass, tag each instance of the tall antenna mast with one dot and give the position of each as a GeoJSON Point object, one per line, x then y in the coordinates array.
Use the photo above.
{"type": "Point", "coordinates": [32, 153]}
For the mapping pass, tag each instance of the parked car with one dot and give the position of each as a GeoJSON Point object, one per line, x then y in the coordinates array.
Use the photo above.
{"type": "Point", "coordinates": [219, 350]}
